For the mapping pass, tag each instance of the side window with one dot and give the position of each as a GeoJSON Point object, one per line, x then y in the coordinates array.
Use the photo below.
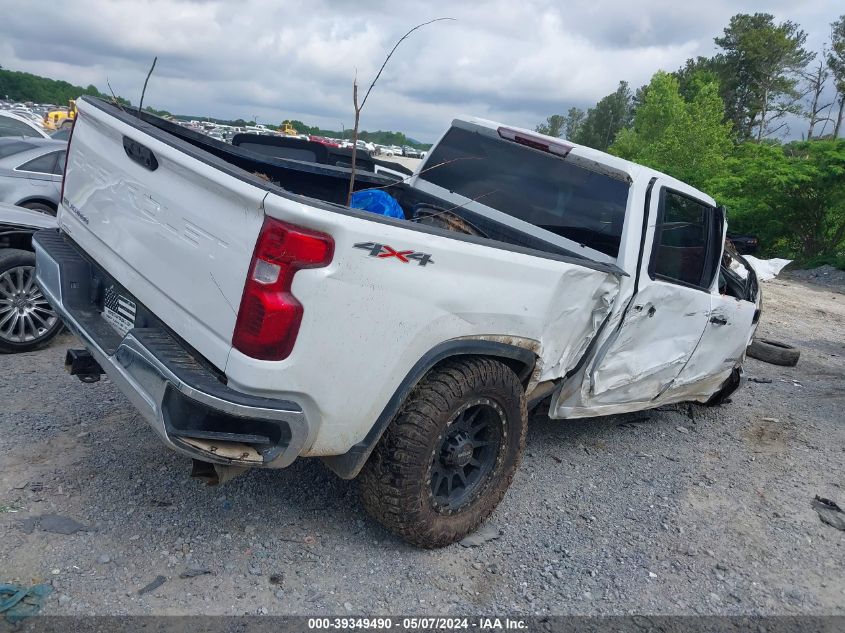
{"type": "Point", "coordinates": [43, 164]}
{"type": "Point", "coordinates": [682, 241]}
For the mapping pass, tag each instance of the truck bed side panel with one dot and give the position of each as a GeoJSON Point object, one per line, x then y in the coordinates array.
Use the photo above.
{"type": "Point", "coordinates": [369, 319]}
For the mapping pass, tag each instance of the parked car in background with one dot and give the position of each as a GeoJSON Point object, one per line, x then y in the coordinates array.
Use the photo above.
{"type": "Point", "coordinates": [27, 322]}
{"type": "Point", "coordinates": [364, 146]}
{"type": "Point", "coordinates": [12, 124]}
{"type": "Point", "coordinates": [410, 152]}
{"type": "Point", "coordinates": [323, 140]}
{"type": "Point", "coordinates": [31, 172]}
{"type": "Point", "coordinates": [744, 244]}
{"type": "Point", "coordinates": [289, 147]}
{"type": "Point", "coordinates": [63, 133]}
{"type": "Point", "coordinates": [28, 114]}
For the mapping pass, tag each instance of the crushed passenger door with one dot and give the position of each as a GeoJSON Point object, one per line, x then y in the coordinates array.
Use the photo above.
{"type": "Point", "coordinates": [667, 316]}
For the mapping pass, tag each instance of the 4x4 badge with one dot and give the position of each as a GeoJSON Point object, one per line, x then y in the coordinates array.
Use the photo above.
{"type": "Point", "coordinates": [383, 251]}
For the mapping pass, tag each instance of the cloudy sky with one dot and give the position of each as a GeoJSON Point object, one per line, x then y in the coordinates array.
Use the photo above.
{"type": "Point", "coordinates": [511, 60]}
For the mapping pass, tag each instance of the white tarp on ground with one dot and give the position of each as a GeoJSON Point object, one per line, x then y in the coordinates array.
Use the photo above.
{"type": "Point", "coordinates": [765, 268]}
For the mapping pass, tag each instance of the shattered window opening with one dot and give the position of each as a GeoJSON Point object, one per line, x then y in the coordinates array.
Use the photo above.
{"type": "Point", "coordinates": [683, 244]}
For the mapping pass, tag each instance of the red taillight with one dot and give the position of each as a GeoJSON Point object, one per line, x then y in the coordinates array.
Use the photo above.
{"type": "Point", "coordinates": [67, 155]}
{"type": "Point", "coordinates": [269, 316]}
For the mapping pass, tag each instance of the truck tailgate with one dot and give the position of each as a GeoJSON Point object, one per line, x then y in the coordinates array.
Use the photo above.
{"type": "Point", "coordinates": [175, 231]}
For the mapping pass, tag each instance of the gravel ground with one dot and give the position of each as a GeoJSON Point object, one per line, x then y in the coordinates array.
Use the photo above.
{"type": "Point", "coordinates": [825, 275]}
{"type": "Point", "coordinates": [675, 511]}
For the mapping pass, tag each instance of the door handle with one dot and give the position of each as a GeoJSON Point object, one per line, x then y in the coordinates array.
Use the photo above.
{"type": "Point", "coordinates": [718, 320]}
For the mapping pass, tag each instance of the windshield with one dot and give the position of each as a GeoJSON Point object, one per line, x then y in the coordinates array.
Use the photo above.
{"type": "Point", "coordinates": [581, 205]}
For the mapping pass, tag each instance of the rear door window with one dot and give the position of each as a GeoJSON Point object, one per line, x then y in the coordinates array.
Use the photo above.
{"type": "Point", "coordinates": [685, 241]}
{"type": "Point", "coordinates": [581, 205]}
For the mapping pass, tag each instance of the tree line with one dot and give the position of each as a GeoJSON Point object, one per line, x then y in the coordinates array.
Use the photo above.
{"type": "Point", "coordinates": [717, 124]}
{"type": "Point", "coordinates": [21, 86]}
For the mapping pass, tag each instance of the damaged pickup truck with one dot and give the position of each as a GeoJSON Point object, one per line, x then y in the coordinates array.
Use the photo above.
{"type": "Point", "coordinates": [253, 318]}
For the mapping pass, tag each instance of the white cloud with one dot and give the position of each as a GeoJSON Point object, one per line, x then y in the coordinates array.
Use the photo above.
{"type": "Point", "coordinates": [507, 60]}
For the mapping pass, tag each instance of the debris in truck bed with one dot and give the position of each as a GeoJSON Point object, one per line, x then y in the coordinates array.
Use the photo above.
{"type": "Point", "coordinates": [446, 219]}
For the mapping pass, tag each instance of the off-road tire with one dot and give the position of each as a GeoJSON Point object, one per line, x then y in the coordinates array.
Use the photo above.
{"type": "Point", "coordinates": [396, 482]}
{"type": "Point", "coordinates": [774, 352]}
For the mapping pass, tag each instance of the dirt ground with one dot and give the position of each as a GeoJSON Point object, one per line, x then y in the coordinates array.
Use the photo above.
{"type": "Point", "coordinates": [683, 510]}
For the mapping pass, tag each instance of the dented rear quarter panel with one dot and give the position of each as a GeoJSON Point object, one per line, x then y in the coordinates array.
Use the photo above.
{"type": "Point", "coordinates": [368, 320]}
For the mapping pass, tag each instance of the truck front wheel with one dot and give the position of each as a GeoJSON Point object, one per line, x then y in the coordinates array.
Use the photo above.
{"type": "Point", "coordinates": [450, 454]}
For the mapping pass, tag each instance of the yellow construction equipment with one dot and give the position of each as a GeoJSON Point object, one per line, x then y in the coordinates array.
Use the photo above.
{"type": "Point", "coordinates": [55, 119]}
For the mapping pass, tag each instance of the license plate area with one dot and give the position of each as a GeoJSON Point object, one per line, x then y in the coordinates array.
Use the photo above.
{"type": "Point", "coordinates": [119, 310]}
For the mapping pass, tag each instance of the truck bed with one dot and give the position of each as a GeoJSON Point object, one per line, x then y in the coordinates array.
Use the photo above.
{"type": "Point", "coordinates": [328, 183]}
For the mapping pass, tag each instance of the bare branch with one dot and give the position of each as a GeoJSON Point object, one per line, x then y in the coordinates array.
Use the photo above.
{"type": "Point", "coordinates": [770, 132]}
{"type": "Point", "coordinates": [114, 96]}
{"type": "Point", "coordinates": [460, 206]}
{"type": "Point", "coordinates": [359, 107]}
{"type": "Point", "coordinates": [390, 54]}
{"type": "Point", "coordinates": [144, 91]}
{"type": "Point", "coordinates": [354, 140]}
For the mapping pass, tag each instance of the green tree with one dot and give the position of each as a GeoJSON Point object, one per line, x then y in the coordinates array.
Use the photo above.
{"type": "Point", "coordinates": [792, 196]}
{"type": "Point", "coordinates": [161, 113]}
{"type": "Point", "coordinates": [20, 86]}
{"type": "Point", "coordinates": [566, 125]}
{"type": "Point", "coordinates": [693, 72]}
{"type": "Point", "coordinates": [836, 64]}
{"type": "Point", "coordinates": [758, 70]}
{"type": "Point", "coordinates": [573, 122]}
{"type": "Point", "coordinates": [686, 139]}
{"type": "Point", "coordinates": [604, 121]}
{"type": "Point", "coordinates": [554, 126]}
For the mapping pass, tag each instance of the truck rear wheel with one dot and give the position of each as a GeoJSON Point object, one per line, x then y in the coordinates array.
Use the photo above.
{"type": "Point", "coordinates": [450, 454]}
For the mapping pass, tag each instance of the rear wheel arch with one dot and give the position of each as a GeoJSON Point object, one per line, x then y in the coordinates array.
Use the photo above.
{"type": "Point", "coordinates": [37, 204]}
{"type": "Point", "coordinates": [449, 456]}
{"type": "Point", "coordinates": [519, 359]}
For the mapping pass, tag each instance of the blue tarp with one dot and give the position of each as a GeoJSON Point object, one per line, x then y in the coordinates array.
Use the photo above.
{"type": "Point", "coordinates": [377, 201]}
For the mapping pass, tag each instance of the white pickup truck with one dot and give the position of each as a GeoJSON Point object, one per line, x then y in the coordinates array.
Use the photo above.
{"type": "Point", "coordinates": [253, 318]}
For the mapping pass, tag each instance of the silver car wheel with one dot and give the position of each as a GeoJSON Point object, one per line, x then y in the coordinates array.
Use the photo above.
{"type": "Point", "coordinates": [25, 315]}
